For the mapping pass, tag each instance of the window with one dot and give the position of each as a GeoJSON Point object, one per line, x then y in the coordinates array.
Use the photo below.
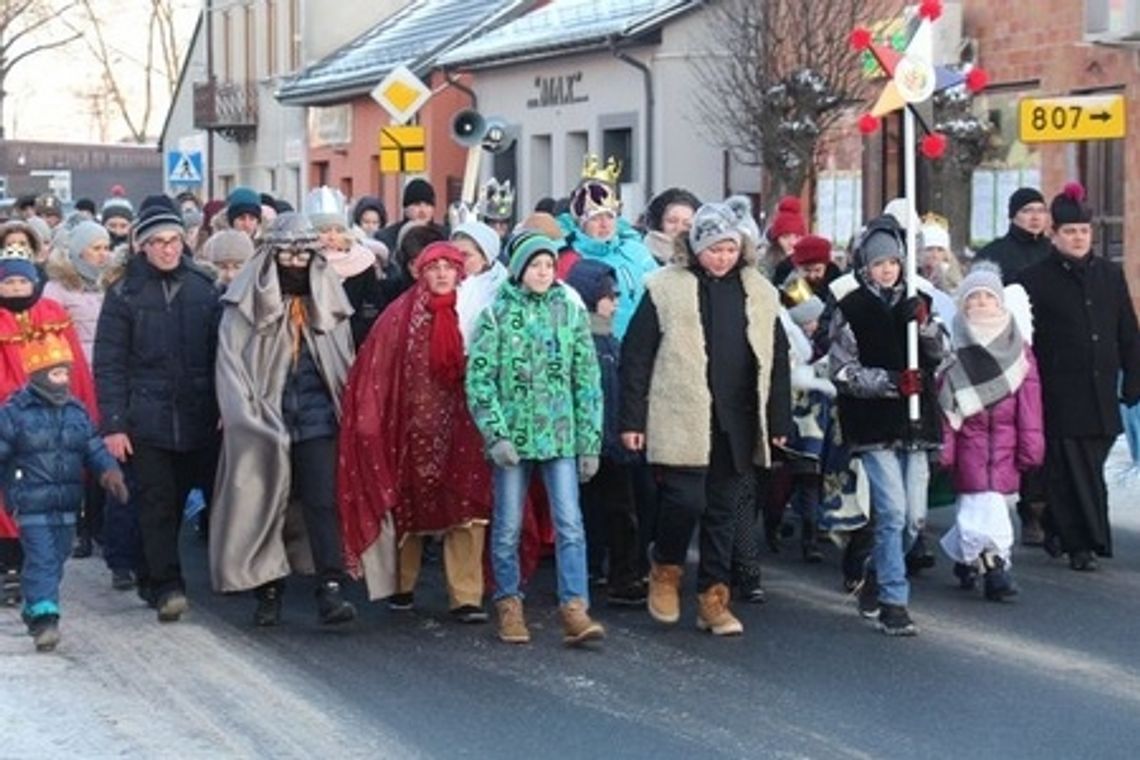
{"type": "Point", "coordinates": [541, 167]}
{"type": "Point", "coordinates": [577, 145]}
{"type": "Point", "coordinates": [227, 183]}
{"type": "Point", "coordinates": [346, 188]}
{"type": "Point", "coordinates": [619, 144]}
{"type": "Point", "coordinates": [1102, 170]}
{"type": "Point", "coordinates": [320, 173]}
{"type": "Point", "coordinates": [272, 181]}
{"type": "Point", "coordinates": [270, 37]}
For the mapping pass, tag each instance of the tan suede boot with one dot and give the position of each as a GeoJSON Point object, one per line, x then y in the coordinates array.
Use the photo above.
{"type": "Point", "coordinates": [577, 627]}
{"type": "Point", "coordinates": [713, 613]}
{"type": "Point", "coordinates": [665, 592]}
{"type": "Point", "coordinates": [512, 625]}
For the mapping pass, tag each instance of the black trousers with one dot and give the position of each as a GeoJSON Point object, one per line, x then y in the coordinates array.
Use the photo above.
{"type": "Point", "coordinates": [90, 524]}
{"type": "Point", "coordinates": [313, 464]}
{"type": "Point", "coordinates": [610, 517]}
{"type": "Point", "coordinates": [1077, 502]}
{"type": "Point", "coordinates": [122, 537]}
{"type": "Point", "coordinates": [163, 479]}
{"type": "Point", "coordinates": [712, 497]}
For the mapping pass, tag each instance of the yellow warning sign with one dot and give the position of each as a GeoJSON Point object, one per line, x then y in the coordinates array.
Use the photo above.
{"type": "Point", "coordinates": [1081, 117]}
{"type": "Point", "coordinates": [403, 150]}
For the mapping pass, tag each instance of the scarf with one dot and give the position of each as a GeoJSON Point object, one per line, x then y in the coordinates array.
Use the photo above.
{"type": "Point", "coordinates": [989, 364]}
{"type": "Point", "coordinates": [56, 395]}
{"type": "Point", "coordinates": [298, 318]}
{"type": "Point", "coordinates": [445, 352]}
{"type": "Point", "coordinates": [476, 294]}
{"type": "Point", "coordinates": [352, 262]}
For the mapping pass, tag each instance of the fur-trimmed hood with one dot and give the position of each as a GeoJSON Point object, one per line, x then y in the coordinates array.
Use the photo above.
{"type": "Point", "coordinates": [60, 268]}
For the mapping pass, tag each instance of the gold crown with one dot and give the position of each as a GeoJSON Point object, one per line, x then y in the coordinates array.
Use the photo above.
{"type": "Point", "coordinates": [933, 218]}
{"type": "Point", "coordinates": [610, 173]}
{"type": "Point", "coordinates": [49, 351]}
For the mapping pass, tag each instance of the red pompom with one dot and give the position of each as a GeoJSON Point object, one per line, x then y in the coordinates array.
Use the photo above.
{"type": "Point", "coordinates": [930, 10]}
{"type": "Point", "coordinates": [861, 38]}
{"type": "Point", "coordinates": [1074, 190]}
{"type": "Point", "coordinates": [934, 146]}
{"type": "Point", "coordinates": [977, 80]}
{"type": "Point", "coordinates": [868, 124]}
{"type": "Point", "coordinates": [789, 204]}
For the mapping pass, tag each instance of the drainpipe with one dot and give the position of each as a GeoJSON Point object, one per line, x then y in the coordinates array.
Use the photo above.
{"type": "Point", "coordinates": [457, 84]}
{"type": "Point", "coordinates": [650, 102]}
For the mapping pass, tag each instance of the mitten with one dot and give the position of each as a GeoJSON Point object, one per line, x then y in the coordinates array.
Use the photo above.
{"type": "Point", "coordinates": [587, 468]}
{"type": "Point", "coordinates": [503, 453]}
{"type": "Point", "coordinates": [112, 482]}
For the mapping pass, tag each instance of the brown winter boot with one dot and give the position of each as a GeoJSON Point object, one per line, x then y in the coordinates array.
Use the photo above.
{"type": "Point", "coordinates": [665, 592]}
{"type": "Point", "coordinates": [577, 627]}
{"type": "Point", "coordinates": [512, 626]}
{"type": "Point", "coordinates": [713, 613]}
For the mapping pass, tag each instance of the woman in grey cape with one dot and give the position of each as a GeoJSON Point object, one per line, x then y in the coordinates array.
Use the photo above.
{"type": "Point", "coordinates": [284, 350]}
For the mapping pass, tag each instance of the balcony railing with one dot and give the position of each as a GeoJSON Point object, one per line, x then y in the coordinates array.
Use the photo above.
{"type": "Point", "coordinates": [229, 108]}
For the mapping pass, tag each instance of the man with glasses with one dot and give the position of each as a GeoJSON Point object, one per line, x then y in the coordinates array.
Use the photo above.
{"type": "Point", "coordinates": [285, 347]}
{"type": "Point", "coordinates": [154, 376]}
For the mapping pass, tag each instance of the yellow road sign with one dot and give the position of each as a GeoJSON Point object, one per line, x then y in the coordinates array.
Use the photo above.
{"type": "Point", "coordinates": [1081, 117]}
{"type": "Point", "coordinates": [401, 94]}
{"type": "Point", "coordinates": [403, 149]}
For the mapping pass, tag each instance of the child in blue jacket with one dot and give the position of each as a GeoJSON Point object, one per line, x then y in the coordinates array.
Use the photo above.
{"type": "Point", "coordinates": [46, 440]}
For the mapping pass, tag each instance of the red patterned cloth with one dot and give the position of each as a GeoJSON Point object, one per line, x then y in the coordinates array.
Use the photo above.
{"type": "Point", "coordinates": [407, 445]}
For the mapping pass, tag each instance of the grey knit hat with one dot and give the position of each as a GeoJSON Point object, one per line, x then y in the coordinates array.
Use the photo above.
{"type": "Point", "coordinates": [984, 275]}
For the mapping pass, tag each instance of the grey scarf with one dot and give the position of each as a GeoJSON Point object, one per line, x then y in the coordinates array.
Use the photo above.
{"type": "Point", "coordinates": [984, 370]}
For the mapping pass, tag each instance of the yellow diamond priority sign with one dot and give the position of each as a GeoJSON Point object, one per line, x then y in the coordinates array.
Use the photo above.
{"type": "Point", "coordinates": [401, 94]}
{"type": "Point", "coordinates": [1080, 117]}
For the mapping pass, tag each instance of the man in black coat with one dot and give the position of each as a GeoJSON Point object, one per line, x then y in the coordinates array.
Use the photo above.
{"type": "Point", "coordinates": [1027, 241]}
{"type": "Point", "coordinates": [155, 346]}
{"type": "Point", "coordinates": [1085, 335]}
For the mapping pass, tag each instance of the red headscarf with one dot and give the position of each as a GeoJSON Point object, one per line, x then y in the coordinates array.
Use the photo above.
{"type": "Point", "coordinates": [446, 361]}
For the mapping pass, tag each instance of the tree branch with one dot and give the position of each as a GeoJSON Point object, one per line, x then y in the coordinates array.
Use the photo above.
{"type": "Point", "coordinates": [39, 49]}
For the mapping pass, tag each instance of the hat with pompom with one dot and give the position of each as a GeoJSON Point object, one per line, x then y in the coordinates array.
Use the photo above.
{"type": "Point", "coordinates": [789, 219]}
{"type": "Point", "coordinates": [1069, 206]}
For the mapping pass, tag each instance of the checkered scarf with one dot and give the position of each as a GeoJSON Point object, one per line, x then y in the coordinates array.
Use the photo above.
{"type": "Point", "coordinates": [989, 364]}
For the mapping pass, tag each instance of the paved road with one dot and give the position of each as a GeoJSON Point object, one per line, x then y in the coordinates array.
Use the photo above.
{"type": "Point", "coordinates": [1054, 674]}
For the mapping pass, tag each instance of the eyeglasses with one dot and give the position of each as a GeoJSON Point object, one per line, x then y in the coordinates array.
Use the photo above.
{"type": "Point", "coordinates": [288, 255]}
{"type": "Point", "coordinates": [165, 242]}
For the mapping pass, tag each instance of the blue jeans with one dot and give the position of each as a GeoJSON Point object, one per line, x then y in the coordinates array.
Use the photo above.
{"type": "Point", "coordinates": [898, 481]}
{"type": "Point", "coordinates": [46, 548]}
{"type": "Point", "coordinates": [510, 486]}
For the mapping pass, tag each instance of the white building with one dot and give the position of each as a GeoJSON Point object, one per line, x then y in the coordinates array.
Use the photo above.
{"type": "Point", "coordinates": [578, 76]}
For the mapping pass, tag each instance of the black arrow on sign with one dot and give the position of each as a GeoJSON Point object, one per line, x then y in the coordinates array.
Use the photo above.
{"type": "Point", "coordinates": [1102, 116]}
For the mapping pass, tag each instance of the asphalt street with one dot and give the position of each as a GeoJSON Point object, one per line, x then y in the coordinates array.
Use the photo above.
{"type": "Point", "coordinates": [1053, 674]}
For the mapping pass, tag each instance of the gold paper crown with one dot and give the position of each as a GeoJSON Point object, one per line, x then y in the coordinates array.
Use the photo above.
{"type": "Point", "coordinates": [592, 169]}
{"type": "Point", "coordinates": [49, 351]}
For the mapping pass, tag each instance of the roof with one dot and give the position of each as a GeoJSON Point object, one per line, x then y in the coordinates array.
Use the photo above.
{"type": "Point", "coordinates": [564, 24]}
{"type": "Point", "coordinates": [413, 36]}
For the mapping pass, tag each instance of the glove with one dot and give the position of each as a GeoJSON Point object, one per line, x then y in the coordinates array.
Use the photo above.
{"type": "Point", "coordinates": [112, 482]}
{"type": "Point", "coordinates": [503, 453]}
{"type": "Point", "coordinates": [587, 468]}
{"type": "Point", "coordinates": [915, 308]}
{"type": "Point", "coordinates": [908, 382]}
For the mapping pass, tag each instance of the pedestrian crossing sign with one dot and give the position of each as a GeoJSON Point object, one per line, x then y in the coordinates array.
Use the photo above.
{"type": "Point", "coordinates": [403, 149]}
{"type": "Point", "coordinates": [184, 167]}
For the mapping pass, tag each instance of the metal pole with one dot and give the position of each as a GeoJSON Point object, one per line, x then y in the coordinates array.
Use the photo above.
{"type": "Point", "coordinates": [910, 191]}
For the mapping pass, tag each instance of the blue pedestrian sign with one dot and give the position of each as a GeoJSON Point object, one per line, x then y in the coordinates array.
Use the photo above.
{"type": "Point", "coordinates": [184, 167]}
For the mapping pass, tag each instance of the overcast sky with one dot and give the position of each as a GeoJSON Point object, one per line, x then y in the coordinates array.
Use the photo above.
{"type": "Point", "coordinates": [45, 93]}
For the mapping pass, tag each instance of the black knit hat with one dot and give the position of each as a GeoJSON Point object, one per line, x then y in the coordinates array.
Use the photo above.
{"type": "Point", "coordinates": [655, 212]}
{"type": "Point", "coordinates": [1069, 206]}
{"type": "Point", "coordinates": [158, 201]}
{"type": "Point", "coordinates": [1022, 197]}
{"type": "Point", "coordinates": [85, 204]}
{"type": "Point", "coordinates": [156, 218]}
{"type": "Point", "coordinates": [418, 191]}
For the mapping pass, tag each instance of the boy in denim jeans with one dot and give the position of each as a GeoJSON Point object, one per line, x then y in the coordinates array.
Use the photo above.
{"type": "Point", "coordinates": [535, 393]}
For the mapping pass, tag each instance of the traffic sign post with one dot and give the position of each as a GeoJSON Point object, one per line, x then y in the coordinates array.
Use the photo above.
{"type": "Point", "coordinates": [1070, 119]}
{"type": "Point", "coordinates": [184, 168]}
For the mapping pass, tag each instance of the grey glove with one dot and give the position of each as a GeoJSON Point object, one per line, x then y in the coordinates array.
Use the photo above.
{"type": "Point", "coordinates": [503, 453]}
{"type": "Point", "coordinates": [587, 468]}
{"type": "Point", "coordinates": [112, 482]}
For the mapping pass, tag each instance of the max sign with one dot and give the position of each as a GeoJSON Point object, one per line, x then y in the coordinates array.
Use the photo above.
{"type": "Point", "coordinates": [557, 91]}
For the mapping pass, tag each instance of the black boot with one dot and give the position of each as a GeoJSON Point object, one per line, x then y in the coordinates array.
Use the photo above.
{"type": "Point", "coordinates": [919, 557]}
{"type": "Point", "coordinates": [332, 607]}
{"type": "Point", "coordinates": [268, 611]}
{"type": "Point", "coordinates": [45, 632]}
{"type": "Point", "coordinates": [811, 552]}
{"type": "Point", "coordinates": [83, 548]}
{"type": "Point", "coordinates": [998, 581]}
{"type": "Point", "coordinates": [11, 593]}
{"type": "Point", "coordinates": [967, 576]}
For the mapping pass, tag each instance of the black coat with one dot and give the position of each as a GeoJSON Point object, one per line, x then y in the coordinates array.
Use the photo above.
{"type": "Point", "coordinates": [306, 404]}
{"type": "Point", "coordinates": [368, 300]}
{"type": "Point", "coordinates": [1015, 251]}
{"type": "Point", "coordinates": [1084, 334]}
{"type": "Point", "coordinates": [155, 346]}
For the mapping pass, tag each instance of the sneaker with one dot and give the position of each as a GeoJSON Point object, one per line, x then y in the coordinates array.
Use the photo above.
{"type": "Point", "coordinates": [268, 610]}
{"type": "Point", "coordinates": [402, 602]}
{"type": "Point", "coordinates": [469, 613]}
{"type": "Point", "coordinates": [45, 632]}
{"type": "Point", "coordinates": [1083, 562]}
{"type": "Point", "coordinates": [633, 595]}
{"type": "Point", "coordinates": [894, 621]}
{"type": "Point", "coordinates": [999, 583]}
{"type": "Point", "coordinates": [867, 595]}
{"type": "Point", "coordinates": [122, 580]}
{"type": "Point", "coordinates": [171, 606]}
{"type": "Point", "coordinates": [332, 607]}
{"type": "Point", "coordinates": [83, 548]}
{"type": "Point", "coordinates": [967, 576]}
{"type": "Point", "coordinates": [512, 624]}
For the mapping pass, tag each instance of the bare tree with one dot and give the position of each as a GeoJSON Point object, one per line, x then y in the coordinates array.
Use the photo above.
{"type": "Point", "coordinates": [126, 84]}
{"type": "Point", "coordinates": [27, 28]}
{"type": "Point", "coordinates": [781, 73]}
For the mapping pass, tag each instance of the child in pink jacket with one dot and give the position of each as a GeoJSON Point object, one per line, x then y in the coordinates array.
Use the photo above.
{"type": "Point", "coordinates": [991, 396]}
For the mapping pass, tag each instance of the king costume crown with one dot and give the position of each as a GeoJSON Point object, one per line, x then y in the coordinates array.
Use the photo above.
{"type": "Point", "coordinates": [592, 169]}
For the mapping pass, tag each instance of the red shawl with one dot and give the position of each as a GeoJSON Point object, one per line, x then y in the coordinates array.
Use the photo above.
{"type": "Point", "coordinates": [408, 444]}
{"type": "Point", "coordinates": [16, 329]}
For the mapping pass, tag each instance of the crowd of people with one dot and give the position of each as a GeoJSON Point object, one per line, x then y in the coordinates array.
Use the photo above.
{"type": "Point", "coordinates": [330, 393]}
